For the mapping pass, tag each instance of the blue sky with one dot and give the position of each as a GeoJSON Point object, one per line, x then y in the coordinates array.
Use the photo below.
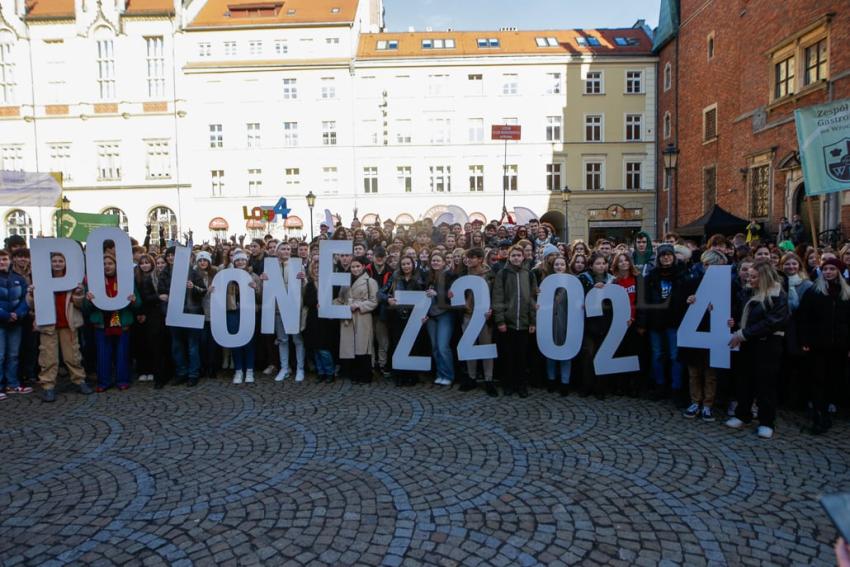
{"type": "Point", "coordinates": [526, 15]}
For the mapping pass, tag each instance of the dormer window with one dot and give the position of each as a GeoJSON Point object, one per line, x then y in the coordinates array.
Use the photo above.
{"type": "Point", "coordinates": [488, 43]}
{"type": "Point", "coordinates": [581, 41]}
{"type": "Point", "coordinates": [256, 10]}
{"type": "Point", "coordinates": [593, 41]}
{"type": "Point", "coordinates": [546, 42]}
{"type": "Point", "coordinates": [621, 41]}
{"type": "Point", "coordinates": [389, 44]}
{"type": "Point", "coordinates": [334, 10]}
{"type": "Point", "coordinates": [290, 12]}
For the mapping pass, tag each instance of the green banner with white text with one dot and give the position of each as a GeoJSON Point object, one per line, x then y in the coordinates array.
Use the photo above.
{"type": "Point", "coordinates": [77, 226]}
{"type": "Point", "coordinates": [823, 135]}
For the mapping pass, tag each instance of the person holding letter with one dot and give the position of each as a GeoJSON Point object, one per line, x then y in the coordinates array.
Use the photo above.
{"type": "Point", "coordinates": [356, 335]}
{"type": "Point", "coordinates": [243, 356]}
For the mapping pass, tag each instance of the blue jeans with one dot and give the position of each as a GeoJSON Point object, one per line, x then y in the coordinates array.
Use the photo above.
{"type": "Point", "coordinates": [324, 362]}
{"type": "Point", "coordinates": [10, 350]}
{"type": "Point", "coordinates": [440, 330]}
{"type": "Point", "coordinates": [112, 349]}
{"type": "Point", "coordinates": [662, 341]}
{"type": "Point", "coordinates": [186, 351]}
{"type": "Point", "coordinates": [552, 368]}
{"type": "Point", "coordinates": [243, 357]}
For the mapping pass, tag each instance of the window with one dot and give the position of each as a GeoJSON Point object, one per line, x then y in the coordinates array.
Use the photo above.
{"type": "Point", "coordinates": [546, 42]}
{"type": "Point", "coordinates": [216, 136]}
{"type": "Point", "coordinates": [281, 47]}
{"type": "Point", "coordinates": [510, 84]}
{"type": "Point", "coordinates": [816, 62]}
{"type": "Point", "coordinates": [404, 178]}
{"type": "Point", "coordinates": [760, 191]}
{"type": "Point", "coordinates": [105, 69]}
{"type": "Point", "coordinates": [709, 187]}
{"type": "Point", "coordinates": [553, 176]}
{"type": "Point", "coordinates": [633, 180]}
{"type": "Point", "coordinates": [475, 84]}
{"type": "Point", "coordinates": [290, 89]}
{"type": "Point", "coordinates": [18, 223]}
{"type": "Point", "coordinates": [217, 185]}
{"type": "Point", "coordinates": [108, 162]}
{"type": "Point", "coordinates": [668, 76]}
{"type": "Point", "coordinates": [328, 88]}
{"type": "Point", "coordinates": [387, 44]}
{"type": "Point", "coordinates": [593, 128]}
{"type": "Point", "coordinates": [441, 130]}
{"type": "Point", "coordinates": [329, 133]}
{"type": "Point", "coordinates": [158, 159]}
{"type": "Point", "coordinates": [427, 44]}
{"type": "Point", "coordinates": [255, 181]}
{"type": "Point", "coordinates": [593, 175]}
{"type": "Point", "coordinates": [709, 123]}
{"type": "Point", "coordinates": [553, 83]}
{"type": "Point", "coordinates": [55, 56]}
{"type": "Point", "coordinates": [122, 217]}
{"type": "Point", "coordinates": [230, 48]}
{"type": "Point", "coordinates": [510, 177]}
{"type": "Point", "coordinates": [292, 178]}
{"type": "Point", "coordinates": [253, 130]}
{"type": "Point", "coordinates": [633, 127]}
{"type": "Point", "coordinates": [255, 47]}
{"type": "Point", "coordinates": [204, 49]}
{"type": "Point", "coordinates": [593, 41]}
{"type": "Point", "coordinates": [441, 178]}
{"type": "Point", "coordinates": [476, 178]}
{"type": "Point", "coordinates": [709, 46]}
{"type": "Point", "coordinates": [369, 132]}
{"type": "Point", "coordinates": [403, 131]}
{"type": "Point", "coordinates": [476, 129]}
{"type": "Point", "coordinates": [438, 43]}
{"type": "Point", "coordinates": [581, 41]}
{"type": "Point", "coordinates": [370, 179]}
{"type": "Point", "coordinates": [668, 125]}
{"type": "Point", "coordinates": [330, 180]}
{"type": "Point", "coordinates": [593, 83]}
{"type": "Point", "coordinates": [783, 78]}
{"type": "Point", "coordinates": [487, 43]}
{"type": "Point", "coordinates": [290, 134]}
{"type": "Point", "coordinates": [634, 82]}
{"type": "Point", "coordinates": [164, 218]}
{"type": "Point", "coordinates": [553, 128]}
{"type": "Point", "coordinates": [60, 160]}
{"type": "Point", "coordinates": [437, 85]}
{"type": "Point", "coordinates": [12, 158]}
{"type": "Point", "coordinates": [155, 60]}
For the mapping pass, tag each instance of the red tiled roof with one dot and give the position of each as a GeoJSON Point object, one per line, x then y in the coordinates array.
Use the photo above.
{"type": "Point", "coordinates": [221, 13]}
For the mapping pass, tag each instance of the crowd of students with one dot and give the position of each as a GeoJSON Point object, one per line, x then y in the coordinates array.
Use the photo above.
{"type": "Point", "coordinates": [790, 317]}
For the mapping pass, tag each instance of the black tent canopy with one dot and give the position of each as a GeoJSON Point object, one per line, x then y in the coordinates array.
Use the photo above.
{"type": "Point", "coordinates": [717, 221]}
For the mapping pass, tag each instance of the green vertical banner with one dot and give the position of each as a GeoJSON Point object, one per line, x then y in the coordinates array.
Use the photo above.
{"type": "Point", "coordinates": [77, 226]}
{"type": "Point", "coordinates": [823, 135]}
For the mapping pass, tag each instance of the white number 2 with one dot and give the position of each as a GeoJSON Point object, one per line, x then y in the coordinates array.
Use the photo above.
{"type": "Point", "coordinates": [466, 347]}
{"type": "Point", "coordinates": [604, 362]}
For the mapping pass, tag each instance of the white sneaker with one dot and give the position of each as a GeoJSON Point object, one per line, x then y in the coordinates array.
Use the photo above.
{"type": "Point", "coordinates": [237, 377]}
{"type": "Point", "coordinates": [282, 375]}
{"type": "Point", "coordinates": [765, 432]}
{"type": "Point", "coordinates": [299, 376]}
{"type": "Point", "coordinates": [732, 407]}
{"type": "Point", "coordinates": [734, 423]}
{"type": "Point", "coordinates": [269, 370]}
{"type": "Point", "coordinates": [249, 376]}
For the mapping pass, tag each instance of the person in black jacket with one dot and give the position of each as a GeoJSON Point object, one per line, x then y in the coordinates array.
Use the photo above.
{"type": "Point", "coordinates": [321, 336]}
{"type": "Point", "coordinates": [762, 322]}
{"type": "Point", "coordinates": [145, 336]}
{"type": "Point", "coordinates": [405, 278]}
{"type": "Point", "coordinates": [185, 343]}
{"type": "Point", "coordinates": [660, 311]}
{"type": "Point", "coordinates": [823, 319]}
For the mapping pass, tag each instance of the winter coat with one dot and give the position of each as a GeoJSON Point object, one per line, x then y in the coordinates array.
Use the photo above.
{"type": "Point", "coordinates": [440, 303]}
{"type": "Point", "coordinates": [194, 302]}
{"type": "Point", "coordinates": [397, 283]}
{"type": "Point", "coordinates": [822, 321]}
{"type": "Point", "coordinates": [382, 279]}
{"type": "Point", "coordinates": [489, 277]}
{"type": "Point", "coordinates": [657, 312]}
{"type": "Point", "coordinates": [127, 316]}
{"type": "Point", "coordinates": [73, 311]}
{"type": "Point", "coordinates": [13, 293]}
{"type": "Point", "coordinates": [356, 335]}
{"type": "Point", "coordinates": [319, 333]}
{"type": "Point", "coordinates": [597, 326]}
{"type": "Point", "coordinates": [303, 321]}
{"type": "Point", "coordinates": [760, 319]}
{"type": "Point", "coordinates": [644, 261]}
{"type": "Point", "coordinates": [233, 299]}
{"type": "Point", "coordinates": [149, 295]}
{"type": "Point", "coordinates": [514, 294]}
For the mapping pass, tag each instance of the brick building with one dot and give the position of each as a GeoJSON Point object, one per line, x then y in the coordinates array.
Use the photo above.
{"type": "Point", "coordinates": [731, 74]}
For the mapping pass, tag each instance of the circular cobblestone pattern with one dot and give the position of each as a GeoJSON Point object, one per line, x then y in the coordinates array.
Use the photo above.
{"type": "Point", "coordinates": [320, 474]}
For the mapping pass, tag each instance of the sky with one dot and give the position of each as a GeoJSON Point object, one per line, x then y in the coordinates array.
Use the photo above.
{"type": "Point", "coordinates": [523, 14]}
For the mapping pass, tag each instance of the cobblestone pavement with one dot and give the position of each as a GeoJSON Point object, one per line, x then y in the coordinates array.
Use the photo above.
{"type": "Point", "coordinates": [340, 474]}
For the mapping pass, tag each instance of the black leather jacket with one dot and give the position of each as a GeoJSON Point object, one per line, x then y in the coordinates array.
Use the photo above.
{"type": "Point", "coordinates": [765, 318]}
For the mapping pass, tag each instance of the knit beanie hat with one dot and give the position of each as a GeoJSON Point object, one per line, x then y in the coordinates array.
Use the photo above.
{"type": "Point", "coordinates": [712, 258]}
{"type": "Point", "coordinates": [665, 249]}
{"type": "Point", "coordinates": [203, 255]}
{"type": "Point", "coordinates": [550, 249]}
{"type": "Point", "coordinates": [833, 262]}
{"type": "Point", "coordinates": [241, 255]}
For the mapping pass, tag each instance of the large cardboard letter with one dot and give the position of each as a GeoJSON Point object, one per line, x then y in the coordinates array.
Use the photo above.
{"type": "Point", "coordinates": [124, 266]}
{"type": "Point", "coordinates": [287, 298]}
{"type": "Point", "coordinates": [546, 312]}
{"type": "Point", "coordinates": [328, 278]}
{"type": "Point", "coordinates": [466, 347]}
{"type": "Point", "coordinates": [401, 357]}
{"type": "Point", "coordinates": [713, 291]}
{"type": "Point", "coordinates": [44, 284]}
{"type": "Point", "coordinates": [604, 361]}
{"type": "Point", "coordinates": [174, 316]}
{"type": "Point", "coordinates": [218, 308]}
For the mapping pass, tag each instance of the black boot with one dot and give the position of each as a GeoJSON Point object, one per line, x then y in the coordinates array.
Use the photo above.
{"type": "Point", "coordinates": [564, 390]}
{"type": "Point", "coordinates": [491, 390]}
{"type": "Point", "coordinates": [467, 384]}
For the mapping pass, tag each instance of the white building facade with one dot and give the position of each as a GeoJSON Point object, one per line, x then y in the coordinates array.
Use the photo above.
{"type": "Point", "coordinates": [190, 116]}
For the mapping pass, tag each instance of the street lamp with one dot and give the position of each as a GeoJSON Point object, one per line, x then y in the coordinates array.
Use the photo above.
{"type": "Point", "coordinates": [565, 196]}
{"type": "Point", "coordinates": [671, 159]}
{"type": "Point", "coordinates": [64, 205]}
{"type": "Point", "coordinates": [311, 202]}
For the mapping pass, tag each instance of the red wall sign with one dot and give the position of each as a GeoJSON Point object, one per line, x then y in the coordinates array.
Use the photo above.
{"type": "Point", "coordinates": [505, 132]}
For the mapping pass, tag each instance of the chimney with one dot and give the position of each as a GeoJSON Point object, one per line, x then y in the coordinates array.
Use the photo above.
{"type": "Point", "coordinates": [411, 29]}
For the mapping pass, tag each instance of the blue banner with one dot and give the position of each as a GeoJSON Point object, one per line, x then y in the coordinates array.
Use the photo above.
{"type": "Point", "coordinates": [823, 135]}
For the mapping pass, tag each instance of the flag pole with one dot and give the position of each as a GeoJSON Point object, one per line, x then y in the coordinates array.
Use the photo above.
{"type": "Point", "coordinates": [812, 226]}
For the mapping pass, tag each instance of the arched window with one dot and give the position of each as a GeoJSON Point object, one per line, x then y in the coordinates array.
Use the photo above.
{"type": "Point", "coordinates": [668, 125]}
{"type": "Point", "coordinates": [122, 217]}
{"type": "Point", "coordinates": [165, 218]}
{"type": "Point", "coordinates": [668, 76]}
{"type": "Point", "coordinates": [19, 223]}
